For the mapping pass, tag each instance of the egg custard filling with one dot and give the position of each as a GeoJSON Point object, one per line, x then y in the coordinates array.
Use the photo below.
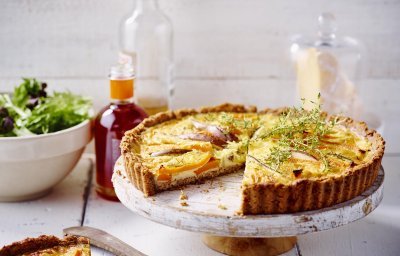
{"type": "Point", "coordinates": [292, 158]}
{"type": "Point", "coordinates": [303, 145]}
{"type": "Point", "coordinates": [196, 145]}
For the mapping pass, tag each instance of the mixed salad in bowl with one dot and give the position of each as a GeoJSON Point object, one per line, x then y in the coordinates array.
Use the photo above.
{"type": "Point", "coordinates": [37, 150]}
{"type": "Point", "coordinates": [31, 110]}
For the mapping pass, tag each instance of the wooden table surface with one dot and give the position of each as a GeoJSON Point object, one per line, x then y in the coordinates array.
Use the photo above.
{"type": "Point", "coordinates": [74, 202]}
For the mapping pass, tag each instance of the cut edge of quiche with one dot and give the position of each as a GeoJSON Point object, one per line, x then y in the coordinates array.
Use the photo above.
{"type": "Point", "coordinates": [142, 177]}
{"type": "Point", "coordinates": [48, 245]}
{"type": "Point", "coordinates": [264, 197]}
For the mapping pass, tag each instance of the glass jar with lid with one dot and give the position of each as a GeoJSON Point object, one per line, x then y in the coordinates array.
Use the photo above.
{"type": "Point", "coordinates": [327, 68]}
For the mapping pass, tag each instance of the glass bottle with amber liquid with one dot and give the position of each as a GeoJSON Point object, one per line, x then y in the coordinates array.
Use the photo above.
{"type": "Point", "coordinates": [121, 115]}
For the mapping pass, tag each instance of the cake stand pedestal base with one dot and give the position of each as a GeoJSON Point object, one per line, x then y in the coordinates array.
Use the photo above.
{"type": "Point", "coordinates": [246, 246]}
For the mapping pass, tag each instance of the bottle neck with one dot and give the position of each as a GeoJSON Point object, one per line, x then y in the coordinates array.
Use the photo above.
{"type": "Point", "coordinates": [146, 5]}
{"type": "Point", "coordinates": [121, 90]}
{"type": "Point", "coordinates": [118, 102]}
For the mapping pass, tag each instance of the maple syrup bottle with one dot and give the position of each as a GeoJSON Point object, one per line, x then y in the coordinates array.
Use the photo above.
{"type": "Point", "coordinates": [121, 115]}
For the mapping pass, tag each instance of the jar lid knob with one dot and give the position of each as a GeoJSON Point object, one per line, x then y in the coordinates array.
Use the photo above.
{"type": "Point", "coordinates": [327, 28]}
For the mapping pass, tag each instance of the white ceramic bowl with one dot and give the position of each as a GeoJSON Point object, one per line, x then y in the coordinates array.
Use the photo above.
{"type": "Point", "coordinates": [31, 166]}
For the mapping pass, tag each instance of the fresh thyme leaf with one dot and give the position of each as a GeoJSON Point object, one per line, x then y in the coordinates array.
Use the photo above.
{"type": "Point", "coordinates": [228, 119]}
{"type": "Point", "coordinates": [298, 130]}
{"type": "Point", "coordinates": [263, 164]}
{"type": "Point", "coordinates": [341, 157]}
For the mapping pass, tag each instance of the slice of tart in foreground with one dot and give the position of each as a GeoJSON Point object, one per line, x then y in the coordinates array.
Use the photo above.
{"type": "Point", "coordinates": [48, 246]}
{"type": "Point", "coordinates": [307, 161]}
{"type": "Point", "coordinates": [176, 148]}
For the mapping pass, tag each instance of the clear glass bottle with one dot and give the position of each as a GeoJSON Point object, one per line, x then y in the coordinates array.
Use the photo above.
{"type": "Point", "coordinates": [146, 36]}
{"type": "Point", "coordinates": [329, 65]}
{"type": "Point", "coordinates": [121, 115]}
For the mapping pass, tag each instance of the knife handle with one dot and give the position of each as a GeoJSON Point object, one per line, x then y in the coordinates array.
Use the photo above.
{"type": "Point", "coordinates": [103, 240]}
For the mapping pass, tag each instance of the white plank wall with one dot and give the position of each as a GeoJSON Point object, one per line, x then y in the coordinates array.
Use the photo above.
{"type": "Point", "coordinates": [213, 38]}
{"type": "Point", "coordinates": [224, 50]}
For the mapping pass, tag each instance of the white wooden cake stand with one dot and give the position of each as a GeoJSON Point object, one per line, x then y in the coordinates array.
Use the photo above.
{"type": "Point", "coordinates": [210, 208]}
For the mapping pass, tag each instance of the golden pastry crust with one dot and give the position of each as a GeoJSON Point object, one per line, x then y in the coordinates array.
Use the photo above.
{"type": "Point", "coordinates": [139, 175]}
{"type": "Point", "coordinates": [265, 198]}
{"type": "Point", "coordinates": [32, 246]}
{"type": "Point", "coordinates": [312, 194]}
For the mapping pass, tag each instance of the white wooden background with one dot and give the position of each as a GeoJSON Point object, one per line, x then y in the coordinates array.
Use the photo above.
{"type": "Point", "coordinates": [225, 50]}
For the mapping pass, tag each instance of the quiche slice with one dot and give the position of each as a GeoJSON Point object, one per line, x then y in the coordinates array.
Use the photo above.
{"type": "Point", "coordinates": [182, 147]}
{"type": "Point", "coordinates": [294, 160]}
{"type": "Point", "coordinates": [48, 246]}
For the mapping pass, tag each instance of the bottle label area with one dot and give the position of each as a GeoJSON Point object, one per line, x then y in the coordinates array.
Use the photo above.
{"type": "Point", "coordinates": [115, 150]}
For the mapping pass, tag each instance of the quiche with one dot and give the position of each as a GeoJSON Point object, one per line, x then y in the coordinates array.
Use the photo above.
{"type": "Point", "coordinates": [293, 160]}
{"type": "Point", "coordinates": [48, 246]}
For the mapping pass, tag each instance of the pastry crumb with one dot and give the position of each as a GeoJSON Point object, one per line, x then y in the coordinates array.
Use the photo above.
{"type": "Point", "coordinates": [184, 203]}
{"type": "Point", "coordinates": [205, 191]}
{"type": "Point", "coordinates": [183, 196]}
{"type": "Point", "coordinates": [222, 207]}
{"type": "Point", "coordinates": [221, 186]}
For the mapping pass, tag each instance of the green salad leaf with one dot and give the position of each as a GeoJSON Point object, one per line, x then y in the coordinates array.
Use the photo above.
{"type": "Point", "coordinates": [24, 90]}
{"type": "Point", "coordinates": [15, 115]}
{"type": "Point", "coordinates": [30, 110]}
{"type": "Point", "coordinates": [59, 112]}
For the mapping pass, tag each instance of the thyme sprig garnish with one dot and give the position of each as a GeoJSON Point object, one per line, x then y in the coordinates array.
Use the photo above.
{"type": "Point", "coordinates": [298, 130]}
{"type": "Point", "coordinates": [228, 119]}
{"type": "Point", "coordinates": [264, 164]}
{"type": "Point", "coordinates": [341, 157]}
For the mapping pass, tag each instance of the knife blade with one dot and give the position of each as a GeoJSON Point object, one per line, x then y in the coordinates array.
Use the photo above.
{"type": "Point", "coordinates": [103, 240]}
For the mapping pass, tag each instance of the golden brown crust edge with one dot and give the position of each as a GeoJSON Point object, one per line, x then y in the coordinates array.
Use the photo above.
{"type": "Point", "coordinates": [31, 245]}
{"type": "Point", "coordinates": [138, 174]}
{"type": "Point", "coordinates": [305, 195]}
